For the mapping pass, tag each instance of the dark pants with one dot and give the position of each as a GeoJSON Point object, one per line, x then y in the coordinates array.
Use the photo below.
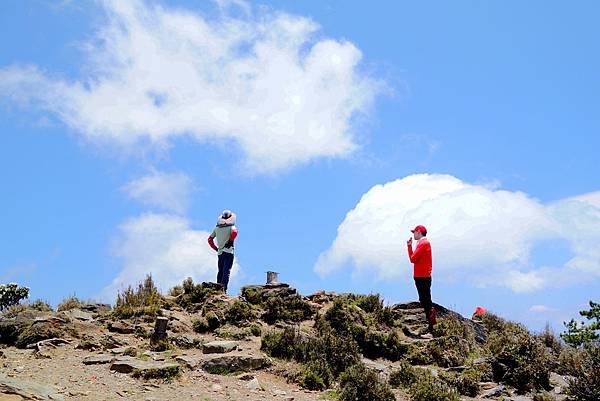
{"type": "Point", "coordinates": [225, 263]}
{"type": "Point", "coordinates": [424, 289]}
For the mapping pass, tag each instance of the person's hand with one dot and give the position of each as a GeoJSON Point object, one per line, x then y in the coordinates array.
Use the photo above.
{"type": "Point", "coordinates": [409, 242]}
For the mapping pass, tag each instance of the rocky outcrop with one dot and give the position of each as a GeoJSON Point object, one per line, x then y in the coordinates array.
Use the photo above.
{"type": "Point", "coordinates": [235, 363]}
{"type": "Point", "coordinates": [29, 390]}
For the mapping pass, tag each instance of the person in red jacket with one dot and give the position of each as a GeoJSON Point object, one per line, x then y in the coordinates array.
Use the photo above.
{"type": "Point", "coordinates": [421, 258]}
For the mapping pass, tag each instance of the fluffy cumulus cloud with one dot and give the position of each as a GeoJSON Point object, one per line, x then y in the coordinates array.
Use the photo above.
{"type": "Point", "coordinates": [167, 191]}
{"type": "Point", "coordinates": [165, 246]}
{"type": "Point", "coordinates": [478, 233]}
{"type": "Point", "coordinates": [265, 81]}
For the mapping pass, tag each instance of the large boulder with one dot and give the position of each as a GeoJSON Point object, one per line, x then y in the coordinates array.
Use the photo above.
{"type": "Point", "coordinates": [28, 390]}
{"type": "Point", "coordinates": [235, 363]}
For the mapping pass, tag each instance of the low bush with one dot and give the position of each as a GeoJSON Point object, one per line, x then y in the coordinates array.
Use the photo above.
{"type": "Point", "coordinates": [288, 309]}
{"type": "Point", "coordinates": [144, 301]}
{"type": "Point", "coordinates": [429, 388]}
{"type": "Point", "coordinates": [69, 303]}
{"type": "Point", "coordinates": [585, 386]}
{"type": "Point", "coordinates": [40, 306]}
{"type": "Point", "coordinates": [360, 383]}
{"type": "Point", "coordinates": [194, 295]}
{"type": "Point", "coordinates": [167, 374]}
{"type": "Point", "coordinates": [403, 376]}
{"type": "Point", "coordinates": [240, 313]}
{"type": "Point", "coordinates": [520, 359]}
{"type": "Point", "coordinates": [466, 383]}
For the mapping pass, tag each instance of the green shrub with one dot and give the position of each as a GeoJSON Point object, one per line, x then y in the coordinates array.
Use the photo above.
{"type": "Point", "coordinates": [201, 325]}
{"type": "Point", "coordinates": [195, 295]}
{"type": "Point", "coordinates": [285, 344]}
{"type": "Point", "coordinates": [316, 375]}
{"type": "Point", "coordinates": [586, 384]}
{"type": "Point", "coordinates": [167, 374]}
{"type": "Point", "coordinates": [11, 294]}
{"type": "Point", "coordinates": [255, 330]}
{"type": "Point", "coordinates": [544, 396]}
{"type": "Point", "coordinates": [466, 383]}
{"type": "Point", "coordinates": [360, 383]}
{"type": "Point", "coordinates": [41, 306]}
{"type": "Point", "coordinates": [239, 313]}
{"type": "Point", "coordinates": [429, 388]}
{"type": "Point", "coordinates": [291, 308]}
{"type": "Point", "coordinates": [403, 376]}
{"type": "Point", "coordinates": [252, 295]}
{"type": "Point", "coordinates": [69, 303]}
{"type": "Point", "coordinates": [144, 301]}
{"type": "Point", "coordinates": [520, 359]}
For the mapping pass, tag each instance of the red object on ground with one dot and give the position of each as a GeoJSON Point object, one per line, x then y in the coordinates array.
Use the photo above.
{"type": "Point", "coordinates": [480, 310]}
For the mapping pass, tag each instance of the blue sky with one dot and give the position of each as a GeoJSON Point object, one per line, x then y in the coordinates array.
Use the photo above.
{"type": "Point", "coordinates": [330, 128]}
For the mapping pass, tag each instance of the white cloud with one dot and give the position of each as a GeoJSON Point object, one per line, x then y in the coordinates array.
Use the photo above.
{"type": "Point", "coordinates": [478, 233]}
{"type": "Point", "coordinates": [266, 82]}
{"type": "Point", "coordinates": [168, 191]}
{"type": "Point", "coordinates": [541, 309]}
{"type": "Point", "coordinates": [165, 246]}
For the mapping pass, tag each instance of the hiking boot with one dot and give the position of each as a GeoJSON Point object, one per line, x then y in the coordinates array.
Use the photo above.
{"type": "Point", "coordinates": [431, 317]}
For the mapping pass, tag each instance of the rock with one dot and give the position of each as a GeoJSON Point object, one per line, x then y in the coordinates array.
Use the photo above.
{"type": "Point", "coordinates": [280, 393]}
{"type": "Point", "coordinates": [219, 347]}
{"type": "Point", "coordinates": [494, 392]}
{"type": "Point", "coordinates": [184, 341]}
{"type": "Point", "coordinates": [128, 365]}
{"type": "Point", "coordinates": [155, 356]}
{"type": "Point", "coordinates": [234, 363]}
{"type": "Point", "coordinates": [216, 387]}
{"type": "Point", "coordinates": [457, 368]}
{"type": "Point", "coordinates": [518, 398]}
{"type": "Point", "coordinates": [119, 350]}
{"type": "Point", "coordinates": [89, 343]}
{"type": "Point", "coordinates": [120, 327]}
{"type": "Point", "coordinates": [254, 384]}
{"type": "Point", "coordinates": [78, 314]}
{"type": "Point", "coordinates": [109, 342]}
{"type": "Point", "coordinates": [50, 342]}
{"type": "Point", "coordinates": [379, 367]}
{"type": "Point", "coordinates": [189, 362]}
{"type": "Point", "coordinates": [245, 376]}
{"type": "Point", "coordinates": [98, 359]}
{"type": "Point", "coordinates": [96, 308]}
{"type": "Point", "coordinates": [28, 390]}
{"type": "Point", "coordinates": [557, 380]}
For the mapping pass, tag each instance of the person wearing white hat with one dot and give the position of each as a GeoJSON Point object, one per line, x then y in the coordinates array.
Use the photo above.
{"type": "Point", "coordinates": [225, 232]}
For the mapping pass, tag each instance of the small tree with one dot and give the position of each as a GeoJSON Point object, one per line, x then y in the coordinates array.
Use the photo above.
{"type": "Point", "coordinates": [11, 294]}
{"type": "Point", "coordinates": [578, 334]}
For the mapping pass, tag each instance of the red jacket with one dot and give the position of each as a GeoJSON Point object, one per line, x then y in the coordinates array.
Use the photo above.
{"type": "Point", "coordinates": [421, 258]}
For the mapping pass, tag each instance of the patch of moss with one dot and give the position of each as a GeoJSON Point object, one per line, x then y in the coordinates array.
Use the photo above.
{"type": "Point", "coordinates": [168, 373]}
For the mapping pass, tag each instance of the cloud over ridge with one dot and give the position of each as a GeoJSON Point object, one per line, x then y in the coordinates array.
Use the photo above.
{"type": "Point", "coordinates": [479, 234]}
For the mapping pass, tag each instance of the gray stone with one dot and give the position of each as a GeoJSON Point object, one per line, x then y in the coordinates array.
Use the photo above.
{"type": "Point", "coordinates": [494, 392]}
{"type": "Point", "coordinates": [28, 389]}
{"type": "Point", "coordinates": [219, 347]}
{"type": "Point", "coordinates": [120, 327]}
{"type": "Point", "coordinates": [254, 384]}
{"type": "Point", "coordinates": [557, 380]}
{"type": "Point", "coordinates": [155, 356]}
{"type": "Point", "coordinates": [109, 342]}
{"type": "Point", "coordinates": [128, 365]}
{"type": "Point", "coordinates": [96, 308]}
{"type": "Point", "coordinates": [189, 362]}
{"type": "Point", "coordinates": [379, 367]}
{"type": "Point", "coordinates": [233, 363]}
{"type": "Point", "coordinates": [98, 359]}
{"type": "Point", "coordinates": [78, 314]}
{"type": "Point", "coordinates": [184, 341]}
